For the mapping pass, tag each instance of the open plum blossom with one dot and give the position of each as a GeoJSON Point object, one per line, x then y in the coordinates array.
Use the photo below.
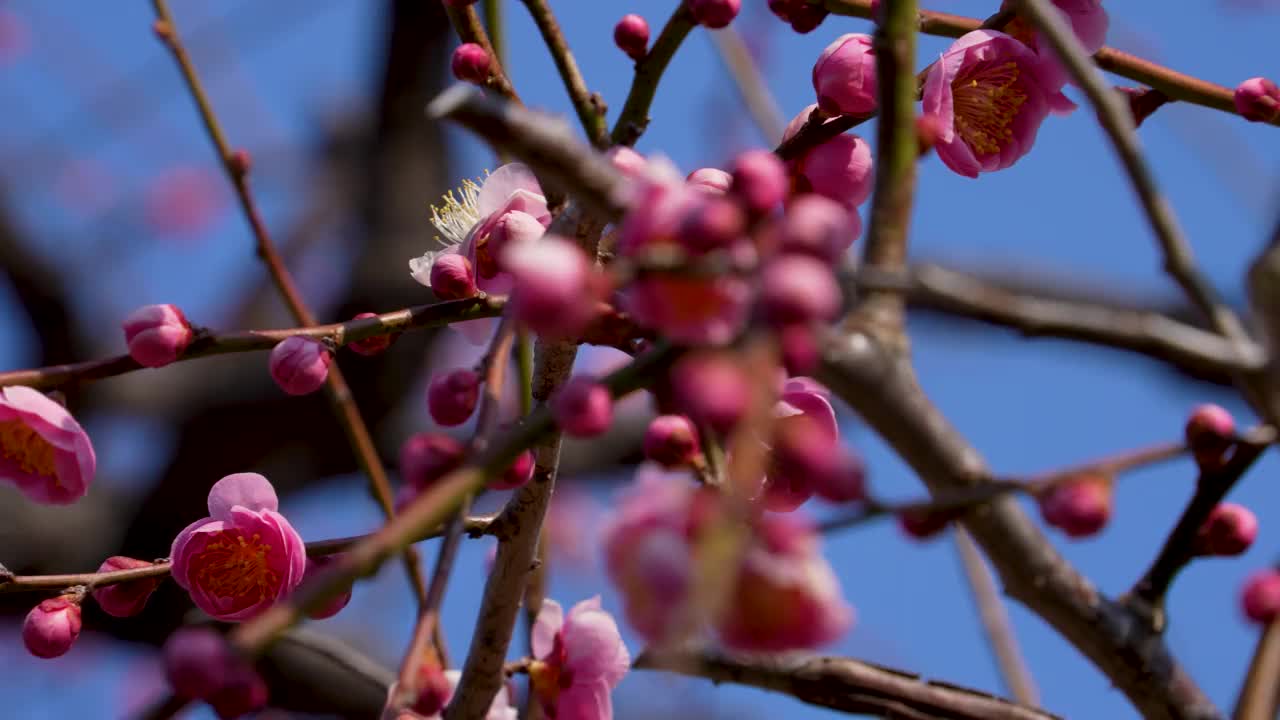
{"type": "Point", "coordinates": [501, 708]}
{"type": "Point", "coordinates": [1088, 19]}
{"type": "Point", "coordinates": [990, 93]}
{"type": "Point", "coordinates": [43, 450]}
{"type": "Point", "coordinates": [579, 659]}
{"type": "Point", "coordinates": [685, 308]}
{"type": "Point", "coordinates": [243, 557]}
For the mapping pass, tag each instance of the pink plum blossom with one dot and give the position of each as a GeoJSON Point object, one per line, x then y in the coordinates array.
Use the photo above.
{"type": "Point", "coordinates": [184, 200]}
{"type": "Point", "coordinates": [556, 288]}
{"type": "Point", "coordinates": [425, 458]}
{"type": "Point", "coordinates": [711, 388]}
{"type": "Point", "coordinates": [500, 709]}
{"type": "Point", "coordinates": [125, 599]}
{"type": "Point", "coordinates": [582, 407]}
{"type": "Point", "coordinates": [818, 226]}
{"type": "Point", "coordinates": [631, 35]}
{"type": "Point", "coordinates": [844, 77]}
{"type": "Point", "coordinates": [452, 396]}
{"type": "Point", "coordinates": [990, 93]}
{"type": "Point", "coordinates": [517, 474]}
{"type": "Point", "coordinates": [157, 334]}
{"type": "Point", "coordinates": [711, 180]}
{"type": "Point", "coordinates": [43, 450]}
{"type": "Point", "coordinates": [452, 278]}
{"type": "Point", "coordinates": [671, 441]}
{"type": "Point", "coordinates": [839, 169]}
{"type": "Point", "coordinates": [242, 558]}
{"type": "Point", "coordinates": [299, 365]}
{"type": "Point", "coordinates": [467, 223]}
{"type": "Point", "coordinates": [1258, 100]}
{"type": "Point", "coordinates": [802, 410]}
{"type": "Point", "coordinates": [579, 659]}
{"type": "Point", "coordinates": [1088, 20]}
{"type": "Point", "coordinates": [797, 289]}
{"type": "Point", "coordinates": [51, 628]}
{"type": "Point", "coordinates": [201, 666]}
{"type": "Point", "coordinates": [335, 604]}
{"type": "Point", "coordinates": [759, 181]}
{"type": "Point", "coordinates": [785, 596]}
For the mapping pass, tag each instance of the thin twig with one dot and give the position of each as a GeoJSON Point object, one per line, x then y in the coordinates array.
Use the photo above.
{"type": "Point", "coordinates": [750, 83]}
{"type": "Point", "coordinates": [473, 526]}
{"type": "Point", "coordinates": [237, 171]}
{"type": "Point", "coordinates": [1260, 692]}
{"type": "Point", "coordinates": [843, 684]}
{"type": "Point", "coordinates": [207, 343]}
{"type": "Point", "coordinates": [589, 106]}
{"type": "Point", "coordinates": [1116, 119]}
{"type": "Point", "coordinates": [495, 27]}
{"type": "Point", "coordinates": [995, 620]}
{"type": "Point", "coordinates": [634, 118]}
{"type": "Point", "coordinates": [466, 22]}
{"type": "Point", "coordinates": [1176, 85]}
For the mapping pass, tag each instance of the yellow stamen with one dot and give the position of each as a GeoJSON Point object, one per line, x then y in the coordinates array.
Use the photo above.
{"type": "Point", "coordinates": [235, 566]}
{"type": "Point", "coordinates": [457, 214]}
{"type": "Point", "coordinates": [987, 98]}
{"type": "Point", "coordinates": [25, 448]}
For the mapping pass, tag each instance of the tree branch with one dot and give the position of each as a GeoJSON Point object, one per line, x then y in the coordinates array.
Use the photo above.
{"type": "Point", "coordinates": [589, 106]}
{"type": "Point", "coordinates": [634, 118]}
{"type": "Point", "coordinates": [995, 620]}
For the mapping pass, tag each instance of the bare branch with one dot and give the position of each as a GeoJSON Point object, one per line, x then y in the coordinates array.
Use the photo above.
{"type": "Point", "coordinates": [634, 118]}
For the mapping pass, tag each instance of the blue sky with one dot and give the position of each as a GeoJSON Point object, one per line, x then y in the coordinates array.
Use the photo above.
{"type": "Point", "coordinates": [278, 70]}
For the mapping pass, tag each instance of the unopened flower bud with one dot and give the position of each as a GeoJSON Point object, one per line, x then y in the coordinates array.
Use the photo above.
{"type": "Point", "coordinates": [517, 474]}
{"type": "Point", "coordinates": [1080, 507]}
{"type": "Point", "coordinates": [125, 599]}
{"type": "Point", "coordinates": [373, 345]}
{"type": "Point", "coordinates": [631, 35]}
{"type": "Point", "coordinates": [798, 289]}
{"type": "Point", "coordinates": [582, 407]}
{"type": "Point", "coordinates": [1229, 530]}
{"type": "Point", "coordinates": [555, 289]}
{"type": "Point", "coordinates": [197, 662]}
{"type": "Point", "coordinates": [714, 14]}
{"type": "Point", "coordinates": [713, 225]}
{"type": "Point", "coordinates": [452, 396]}
{"type": "Point", "coordinates": [921, 524]}
{"type": "Point", "coordinates": [1261, 596]}
{"type": "Point", "coordinates": [711, 388]}
{"type": "Point", "coordinates": [627, 161]}
{"type": "Point", "coordinates": [711, 180]}
{"type": "Point", "coordinates": [844, 77]}
{"type": "Point", "coordinates": [452, 277]}
{"type": "Point", "coordinates": [818, 226]}
{"type": "Point", "coordinates": [157, 334]}
{"type": "Point", "coordinates": [316, 565]}
{"type": "Point", "coordinates": [1258, 99]}
{"type": "Point", "coordinates": [471, 63]}
{"type": "Point", "coordinates": [671, 441]}
{"type": "Point", "coordinates": [242, 693]}
{"type": "Point", "coordinates": [51, 628]}
{"type": "Point", "coordinates": [759, 180]}
{"type": "Point", "coordinates": [799, 349]}
{"type": "Point", "coordinates": [426, 457]}
{"type": "Point", "coordinates": [299, 365]}
{"type": "Point", "coordinates": [1209, 431]}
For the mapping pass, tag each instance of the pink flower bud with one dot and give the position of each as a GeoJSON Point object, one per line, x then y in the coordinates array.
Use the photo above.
{"type": "Point", "coordinates": [299, 365]}
{"type": "Point", "coordinates": [671, 441]}
{"type": "Point", "coordinates": [845, 76]}
{"type": "Point", "coordinates": [801, 15]}
{"type": "Point", "coordinates": [923, 524]}
{"type": "Point", "coordinates": [243, 692]}
{"type": "Point", "coordinates": [582, 407]}
{"type": "Point", "coordinates": [51, 628]}
{"type": "Point", "coordinates": [517, 474]}
{"type": "Point", "coordinates": [241, 162]}
{"type": "Point", "coordinates": [711, 388]}
{"type": "Point", "coordinates": [315, 565]}
{"type": "Point", "coordinates": [434, 689]}
{"type": "Point", "coordinates": [555, 290]}
{"type": "Point", "coordinates": [847, 483]}
{"type": "Point", "coordinates": [714, 14]}
{"type": "Point", "coordinates": [800, 352]}
{"type": "Point", "coordinates": [798, 289]}
{"type": "Point", "coordinates": [712, 225]}
{"type": "Point", "coordinates": [452, 277]}
{"type": "Point", "coordinates": [1229, 530]}
{"type": "Point", "coordinates": [1261, 596]}
{"type": "Point", "coordinates": [1258, 99]}
{"type": "Point", "coordinates": [427, 457]}
{"type": "Point", "coordinates": [197, 662]}
{"type": "Point", "coordinates": [1209, 431]}
{"type": "Point", "coordinates": [627, 161]}
{"type": "Point", "coordinates": [373, 345]}
{"type": "Point", "coordinates": [839, 168]}
{"type": "Point", "coordinates": [631, 35]}
{"type": "Point", "coordinates": [759, 180]}
{"type": "Point", "coordinates": [124, 599]}
{"type": "Point", "coordinates": [1079, 508]}
{"type": "Point", "coordinates": [818, 226]}
{"type": "Point", "coordinates": [471, 63]}
{"type": "Point", "coordinates": [511, 229]}
{"type": "Point", "coordinates": [452, 396]}
{"type": "Point", "coordinates": [157, 334]}
{"type": "Point", "coordinates": [711, 180]}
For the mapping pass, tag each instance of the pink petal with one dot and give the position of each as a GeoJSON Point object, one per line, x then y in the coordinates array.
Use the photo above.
{"type": "Point", "coordinates": [593, 645]}
{"type": "Point", "coordinates": [585, 701]}
{"type": "Point", "coordinates": [178, 551]}
{"type": "Point", "coordinates": [502, 184]}
{"type": "Point", "coordinates": [542, 638]}
{"type": "Point", "coordinates": [247, 490]}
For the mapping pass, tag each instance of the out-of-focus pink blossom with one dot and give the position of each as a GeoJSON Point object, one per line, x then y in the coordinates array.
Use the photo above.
{"type": "Point", "coordinates": [452, 396]}
{"type": "Point", "coordinates": [579, 659]}
{"type": "Point", "coordinates": [799, 349]}
{"type": "Point", "coordinates": [242, 558]}
{"type": "Point", "coordinates": [844, 77]}
{"type": "Point", "coordinates": [201, 666]}
{"type": "Point", "coordinates": [125, 599]}
{"type": "Point", "coordinates": [51, 628]}
{"type": "Point", "coordinates": [14, 36]}
{"type": "Point", "coordinates": [797, 289]}
{"type": "Point", "coordinates": [157, 334]}
{"type": "Point", "coordinates": [374, 345]}
{"type": "Point", "coordinates": [806, 445]}
{"type": "Point", "coordinates": [1079, 508]}
{"type": "Point", "coordinates": [556, 290]}
{"type": "Point", "coordinates": [243, 692]}
{"type": "Point", "coordinates": [1258, 99]}
{"type": "Point", "coordinates": [671, 441]}
{"type": "Point", "coordinates": [299, 365]}
{"type": "Point", "coordinates": [425, 458]}
{"type": "Point", "coordinates": [627, 161]}
{"type": "Point", "coordinates": [818, 226]}
{"type": "Point", "coordinates": [631, 35]}
{"type": "Point", "coordinates": [1230, 530]}
{"type": "Point", "coordinates": [923, 524]}
{"type": "Point", "coordinates": [582, 407]}
{"type": "Point", "coordinates": [990, 93]}
{"type": "Point", "coordinates": [712, 180]}
{"type": "Point", "coordinates": [1260, 597]}
{"type": "Point", "coordinates": [184, 200]}
{"type": "Point", "coordinates": [802, 15]}
{"type": "Point", "coordinates": [714, 14]}
{"type": "Point", "coordinates": [519, 473]}
{"type": "Point", "coordinates": [500, 709]}
{"type": "Point", "coordinates": [785, 596]}
{"type": "Point", "coordinates": [316, 565]}
{"type": "Point", "coordinates": [43, 450]}
{"type": "Point", "coordinates": [714, 225]}
{"type": "Point", "coordinates": [759, 181]}
{"type": "Point", "coordinates": [839, 168]}
{"type": "Point", "coordinates": [711, 388]}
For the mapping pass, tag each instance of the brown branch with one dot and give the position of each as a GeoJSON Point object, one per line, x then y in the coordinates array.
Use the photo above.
{"type": "Point", "coordinates": [881, 387]}
{"type": "Point", "coordinates": [236, 166]}
{"type": "Point", "coordinates": [589, 106]}
{"type": "Point", "coordinates": [208, 344]}
{"type": "Point", "coordinates": [1147, 597]}
{"type": "Point", "coordinates": [1260, 692]}
{"type": "Point", "coordinates": [1116, 119]}
{"type": "Point", "coordinates": [817, 129]}
{"type": "Point", "coordinates": [634, 118]}
{"type": "Point", "coordinates": [1141, 331]}
{"type": "Point", "coordinates": [995, 620]}
{"type": "Point", "coordinates": [466, 22]}
{"type": "Point", "coordinates": [474, 527]}
{"type": "Point", "coordinates": [1172, 83]}
{"type": "Point", "coordinates": [843, 684]}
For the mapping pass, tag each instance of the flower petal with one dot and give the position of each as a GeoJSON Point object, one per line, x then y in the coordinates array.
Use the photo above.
{"type": "Point", "coordinates": [542, 638]}
{"type": "Point", "coordinates": [247, 490]}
